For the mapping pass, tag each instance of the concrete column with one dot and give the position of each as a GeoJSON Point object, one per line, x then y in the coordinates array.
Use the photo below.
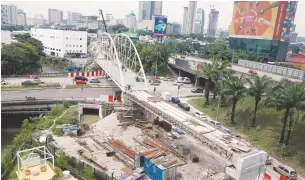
{"type": "Point", "coordinates": [179, 73]}
{"type": "Point", "coordinates": [196, 81]}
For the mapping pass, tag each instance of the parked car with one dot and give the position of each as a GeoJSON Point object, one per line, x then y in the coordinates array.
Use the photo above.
{"type": "Point", "coordinates": [168, 79]}
{"type": "Point", "coordinates": [154, 82]}
{"type": "Point", "coordinates": [200, 115]}
{"type": "Point", "coordinates": [80, 82]}
{"type": "Point", "coordinates": [139, 79]}
{"type": "Point", "coordinates": [251, 71]}
{"type": "Point", "coordinates": [175, 83]}
{"type": "Point", "coordinates": [94, 81]}
{"type": "Point", "coordinates": [286, 171]}
{"type": "Point", "coordinates": [3, 82]}
{"type": "Point", "coordinates": [184, 106]}
{"type": "Point", "coordinates": [197, 90]}
{"type": "Point", "coordinates": [29, 83]}
{"type": "Point", "coordinates": [82, 78]}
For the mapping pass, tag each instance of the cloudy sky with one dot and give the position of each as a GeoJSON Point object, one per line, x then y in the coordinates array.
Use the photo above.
{"type": "Point", "coordinates": [173, 9]}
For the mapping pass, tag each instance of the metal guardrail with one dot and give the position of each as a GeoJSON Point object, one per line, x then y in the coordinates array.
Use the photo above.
{"type": "Point", "coordinates": [40, 75]}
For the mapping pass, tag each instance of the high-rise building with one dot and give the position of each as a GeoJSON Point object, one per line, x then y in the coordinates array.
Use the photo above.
{"type": "Point", "coordinates": [55, 16]}
{"type": "Point", "coordinates": [191, 17]}
{"type": "Point", "coordinates": [199, 21]}
{"type": "Point", "coordinates": [73, 17]}
{"type": "Point", "coordinates": [88, 22]}
{"type": "Point", "coordinates": [109, 17]}
{"type": "Point", "coordinates": [148, 9]}
{"type": "Point", "coordinates": [173, 28]}
{"type": "Point", "coordinates": [21, 18]}
{"type": "Point", "coordinates": [9, 15]}
{"type": "Point", "coordinates": [213, 22]}
{"type": "Point", "coordinates": [185, 16]}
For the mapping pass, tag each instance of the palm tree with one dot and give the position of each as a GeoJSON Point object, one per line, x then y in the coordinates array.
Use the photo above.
{"type": "Point", "coordinates": [234, 89]}
{"type": "Point", "coordinates": [287, 95]}
{"type": "Point", "coordinates": [212, 71]}
{"type": "Point", "coordinates": [258, 86]}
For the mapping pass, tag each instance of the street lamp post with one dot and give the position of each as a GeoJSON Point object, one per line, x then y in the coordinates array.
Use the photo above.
{"type": "Point", "coordinates": [112, 174]}
{"type": "Point", "coordinates": [178, 91]}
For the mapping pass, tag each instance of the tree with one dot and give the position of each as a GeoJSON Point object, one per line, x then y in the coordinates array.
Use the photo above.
{"type": "Point", "coordinates": [88, 173]}
{"type": "Point", "coordinates": [212, 71]}
{"type": "Point", "coordinates": [295, 49]}
{"type": "Point", "coordinates": [61, 161]}
{"type": "Point", "coordinates": [286, 95]}
{"type": "Point", "coordinates": [234, 88]}
{"type": "Point", "coordinates": [25, 135]}
{"type": "Point", "coordinates": [219, 49]}
{"type": "Point", "coordinates": [258, 86]}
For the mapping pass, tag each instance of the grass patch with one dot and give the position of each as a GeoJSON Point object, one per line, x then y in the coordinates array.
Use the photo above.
{"type": "Point", "coordinates": [69, 118]}
{"type": "Point", "coordinates": [266, 134]}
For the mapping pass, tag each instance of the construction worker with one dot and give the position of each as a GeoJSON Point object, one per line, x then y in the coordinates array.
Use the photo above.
{"type": "Point", "coordinates": [82, 89]}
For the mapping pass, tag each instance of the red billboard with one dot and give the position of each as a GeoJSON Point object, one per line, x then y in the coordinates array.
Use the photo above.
{"type": "Point", "coordinates": [258, 19]}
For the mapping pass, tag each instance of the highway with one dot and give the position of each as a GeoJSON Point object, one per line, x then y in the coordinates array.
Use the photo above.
{"type": "Point", "coordinates": [241, 69]}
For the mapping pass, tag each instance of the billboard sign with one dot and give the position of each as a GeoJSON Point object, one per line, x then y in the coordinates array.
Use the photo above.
{"type": "Point", "coordinates": [258, 19]}
{"type": "Point", "coordinates": [160, 26]}
{"type": "Point", "coordinates": [288, 23]}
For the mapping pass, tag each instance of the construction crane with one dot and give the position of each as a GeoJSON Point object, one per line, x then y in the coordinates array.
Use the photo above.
{"type": "Point", "coordinates": [101, 13]}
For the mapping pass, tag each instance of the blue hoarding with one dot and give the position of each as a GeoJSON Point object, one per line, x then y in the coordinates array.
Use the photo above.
{"type": "Point", "coordinates": [160, 26]}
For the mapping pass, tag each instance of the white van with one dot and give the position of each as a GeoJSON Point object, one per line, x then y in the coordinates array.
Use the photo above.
{"type": "Point", "coordinates": [215, 123]}
{"type": "Point", "coordinates": [200, 115]}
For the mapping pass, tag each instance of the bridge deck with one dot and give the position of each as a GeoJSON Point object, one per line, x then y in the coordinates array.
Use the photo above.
{"type": "Point", "coordinates": [196, 127]}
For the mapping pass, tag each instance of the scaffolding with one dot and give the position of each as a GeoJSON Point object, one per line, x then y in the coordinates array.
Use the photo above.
{"type": "Point", "coordinates": [32, 157]}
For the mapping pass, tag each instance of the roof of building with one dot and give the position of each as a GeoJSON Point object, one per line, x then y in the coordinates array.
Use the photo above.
{"type": "Point", "coordinates": [299, 58]}
{"type": "Point", "coordinates": [132, 14]}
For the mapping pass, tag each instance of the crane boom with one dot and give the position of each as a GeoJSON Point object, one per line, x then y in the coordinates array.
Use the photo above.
{"type": "Point", "coordinates": [101, 12]}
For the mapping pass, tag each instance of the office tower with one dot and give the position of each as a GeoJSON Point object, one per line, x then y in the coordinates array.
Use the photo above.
{"type": "Point", "coordinates": [9, 15]}
{"type": "Point", "coordinates": [199, 21]}
{"type": "Point", "coordinates": [73, 17]}
{"type": "Point", "coordinates": [55, 16]}
{"type": "Point", "coordinates": [21, 18]}
{"type": "Point", "coordinates": [191, 17]}
{"type": "Point", "coordinates": [148, 9]}
{"type": "Point", "coordinates": [184, 25]}
{"type": "Point", "coordinates": [213, 22]}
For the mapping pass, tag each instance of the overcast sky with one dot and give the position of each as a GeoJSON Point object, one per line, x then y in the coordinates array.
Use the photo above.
{"type": "Point", "coordinates": [173, 9]}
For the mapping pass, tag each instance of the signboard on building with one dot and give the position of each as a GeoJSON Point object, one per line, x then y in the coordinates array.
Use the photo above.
{"type": "Point", "coordinates": [258, 19]}
{"type": "Point", "coordinates": [288, 23]}
{"type": "Point", "coordinates": [160, 26]}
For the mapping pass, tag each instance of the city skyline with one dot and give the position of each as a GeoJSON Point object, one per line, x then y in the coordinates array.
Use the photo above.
{"type": "Point", "coordinates": [111, 7]}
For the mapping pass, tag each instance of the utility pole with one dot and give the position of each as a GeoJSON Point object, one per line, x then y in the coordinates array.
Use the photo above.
{"type": "Point", "coordinates": [221, 79]}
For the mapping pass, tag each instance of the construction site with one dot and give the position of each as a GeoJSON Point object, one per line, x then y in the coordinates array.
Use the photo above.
{"type": "Point", "coordinates": [132, 143]}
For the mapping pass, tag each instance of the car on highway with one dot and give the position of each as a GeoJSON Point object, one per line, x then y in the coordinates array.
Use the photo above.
{"type": "Point", "coordinates": [286, 171]}
{"type": "Point", "coordinates": [139, 79]}
{"type": "Point", "coordinates": [29, 83]}
{"type": "Point", "coordinates": [200, 115]}
{"type": "Point", "coordinates": [80, 82]}
{"type": "Point", "coordinates": [197, 90]}
{"type": "Point", "coordinates": [175, 83]}
{"type": "Point", "coordinates": [94, 81]}
{"type": "Point", "coordinates": [215, 123]}
{"type": "Point", "coordinates": [82, 78]}
{"type": "Point", "coordinates": [251, 71]}
{"type": "Point", "coordinates": [154, 82]}
{"type": "Point", "coordinates": [4, 82]}
{"type": "Point", "coordinates": [168, 79]}
{"type": "Point", "coordinates": [32, 76]}
{"type": "Point", "coordinates": [184, 106]}
{"type": "Point", "coordinates": [38, 81]}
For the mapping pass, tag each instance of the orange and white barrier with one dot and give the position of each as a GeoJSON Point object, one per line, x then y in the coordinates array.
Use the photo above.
{"type": "Point", "coordinates": [86, 74]}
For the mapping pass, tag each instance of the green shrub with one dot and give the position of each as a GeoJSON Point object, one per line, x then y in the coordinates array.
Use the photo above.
{"type": "Point", "coordinates": [88, 173]}
{"type": "Point", "coordinates": [61, 161]}
{"type": "Point", "coordinates": [58, 131]}
{"type": "Point", "coordinates": [57, 111]}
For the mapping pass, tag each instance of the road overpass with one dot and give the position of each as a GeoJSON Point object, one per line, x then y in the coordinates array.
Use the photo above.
{"type": "Point", "coordinates": [236, 68]}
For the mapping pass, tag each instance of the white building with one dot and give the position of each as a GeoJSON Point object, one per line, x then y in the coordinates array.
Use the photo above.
{"type": "Point", "coordinates": [55, 16]}
{"type": "Point", "coordinates": [35, 22]}
{"type": "Point", "coordinates": [9, 15]}
{"type": "Point", "coordinates": [130, 20]}
{"type": "Point", "coordinates": [21, 19]}
{"type": "Point", "coordinates": [73, 17]}
{"type": "Point", "coordinates": [88, 22]}
{"type": "Point", "coordinates": [6, 37]}
{"type": "Point", "coordinates": [61, 43]}
{"type": "Point", "coordinates": [146, 24]}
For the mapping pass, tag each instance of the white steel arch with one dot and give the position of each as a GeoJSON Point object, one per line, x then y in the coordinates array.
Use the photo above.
{"type": "Point", "coordinates": [120, 59]}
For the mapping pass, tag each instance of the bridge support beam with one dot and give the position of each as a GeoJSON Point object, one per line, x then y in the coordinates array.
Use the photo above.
{"type": "Point", "coordinates": [196, 81]}
{"type": "Point", "coordinates": [179, 73]}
